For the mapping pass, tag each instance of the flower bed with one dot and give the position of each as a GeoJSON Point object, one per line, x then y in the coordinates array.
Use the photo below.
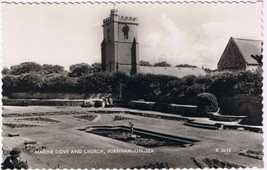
{"type": "Point", "coordinates": [215, 163]}
{"type": "Point", "coordinates": [252, 154]}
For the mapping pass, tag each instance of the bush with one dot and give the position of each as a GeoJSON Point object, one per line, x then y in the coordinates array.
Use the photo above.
{"type": "Point", "coordinates": [30, 82]}
{"type": "Point", "coordinates": [59, 83]}
{"type": "Point", "coordinates": [206, 102]}
{"type": "Point", "coordinates": [233, 83]}
{"type": "Point", "coordinates": [78, 70]}
{"type": "Point", "coordinates": [95, 83]}
{"type": "Point", "coordinates": [9, 84]}
{"type": "Point", "coordinates": [252, 120]}
{"type": "Point", "coordinates": [25, 67]}
{"type": "Point", "coordinates": [82, 78]}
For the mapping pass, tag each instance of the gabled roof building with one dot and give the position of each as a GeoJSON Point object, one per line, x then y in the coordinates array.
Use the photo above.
{"type": "Point", "coordinates": [241, 54]}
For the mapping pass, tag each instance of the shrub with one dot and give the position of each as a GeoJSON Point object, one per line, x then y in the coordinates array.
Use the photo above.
{"type": "Point", "coordinates": [207, 102]}
{"type": "Point", "coordinates": [50, 69]}
{"type": "Point", "coordinates": [59, 83]}
{"type": "Point", "coordinates": [9, 84]}
{"type": "Point", "coordinates": [95, 83]}
{"type": "Point", "coordinates": [78, 70]}
{"type": "Point", "coordinates": [162, 64]}
{"type": "Point", "coordinates": [194, 90]}
{"type": "Point", "coordinates": [252, 120]}
{"type": "Point", "coordinates": [189, 80]}
{"type": "Point", "coordinates": [25, 67]}
{"type": "Point", "coordinates": [30, 82]}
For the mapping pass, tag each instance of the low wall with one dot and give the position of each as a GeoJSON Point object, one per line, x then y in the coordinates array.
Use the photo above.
{"type": "Point", "coordinates": [20, 95]}
{"type": "Point", "coordinates": [184, 109]}
{"type": "Point", "coordinates": [164, 107]}
{"type": "Point", "coordinates": [35, 102]}
{"type": "Point", "coordinates": [227, 118]}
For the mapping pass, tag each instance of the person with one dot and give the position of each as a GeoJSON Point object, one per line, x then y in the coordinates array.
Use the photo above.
{"type": "Point", "coordinates": [110, 101]}
{"type": "Point", "coordinates": [14, 161]}
{"type": "Point", "coordinates": [132, 127]}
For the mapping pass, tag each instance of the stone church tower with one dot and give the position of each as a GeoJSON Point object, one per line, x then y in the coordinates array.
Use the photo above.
{"type": "Point", "coordinates": [120, 48]}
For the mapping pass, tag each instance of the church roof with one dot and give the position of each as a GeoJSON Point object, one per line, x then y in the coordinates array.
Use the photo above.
{"type": "Point", "coordinates": [247, 48]}
{"type": "Point", "coordinates": [172, 71]}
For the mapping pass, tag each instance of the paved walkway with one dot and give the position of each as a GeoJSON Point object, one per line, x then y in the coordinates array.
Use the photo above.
{"type": "Point", "coordinates": [155, 114]}
{"type": "Point", "coordinates": [195, 119]}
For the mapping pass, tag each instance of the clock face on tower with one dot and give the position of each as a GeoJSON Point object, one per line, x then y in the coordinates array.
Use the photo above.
{"type": "Point", "coordinates": [125, 31]}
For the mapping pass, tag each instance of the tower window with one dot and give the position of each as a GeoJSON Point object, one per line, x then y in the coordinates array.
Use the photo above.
{"type": "Point", "coordinates": [108, 34]}
{"type": "Point", "coordinates": [125, 31]}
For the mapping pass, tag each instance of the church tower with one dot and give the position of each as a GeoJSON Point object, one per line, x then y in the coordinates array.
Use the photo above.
{"type": "Point", "coordinates": [120, 48]}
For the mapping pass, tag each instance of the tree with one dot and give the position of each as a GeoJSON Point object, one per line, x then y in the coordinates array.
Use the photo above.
{"type": "Point", "coordinates": [30, 82]}
{"type": "Point", "coordinates": [117, 81]}
{"type": "Point", "coordinates": [60, 83]}
{"type": "Point", "coordinates": [162, 64]}
{"type": "Point", "coordinates": [95, 83]}
{"type": "Point", "coordinates": [96, 67]}
{"type": "Point", "coordinates": [78, 70]}
{"type": "Point", "coordinates": [49, 69]}
{"type": "Point", "coordinates": [6, 71]}
{"type": "Point", "coordinates": [144, 63]}
{"type": "Point", "coordinates": [10, 83]}
{"type": "Point", "coordinates": [25, 67]}
{"type": "Point", "coordinates": [189, 80]}
{"type": "Point", "coordinates": [186, 65]}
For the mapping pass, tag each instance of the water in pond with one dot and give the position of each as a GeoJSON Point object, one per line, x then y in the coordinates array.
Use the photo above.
{"type": "Point", "coordinates": [137, 139]}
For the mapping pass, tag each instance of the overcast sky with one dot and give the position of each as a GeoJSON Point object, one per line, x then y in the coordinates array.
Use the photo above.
{"type": "Point", "coordinates": [177, 33]}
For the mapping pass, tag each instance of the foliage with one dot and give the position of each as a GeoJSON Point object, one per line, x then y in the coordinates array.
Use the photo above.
{"type": "Point", "coordinates": [189, 80]}
{"type": "Point", "coordinates": [162, 64]}
{"type": "Point", "coordinates": [59, 83]}
{"type": "Point", "coordinates": [207, 70]}
{"type": "Point", "coordinates": [231, 83]}
{"type": "Point", "coordinates": [148, 85]}
{"type": "Point", "coordinates": [32, 67]}
{"type": "Point", "coordinates": [144, 63]}
{"type": "Point", "coordinates": [49, 69]}
{"type": "Point", "coordinates": [85, 78]}
{"type": "Point", "coordinates": [25, 67]}
{"type": "Point", "coordinates": [30, 82]}
{"type": "Point", "coordinates": [195, 89]}
{"type": "Point", "coordinates": [117, 81]}
{"type": "Point", "coordinates": [10, 84]}
{"type": "Point", "coordinates": [186, 65]}
{"type": "Point", "coordinates": [95, 83]}
{"type": "Point", "coordinates": [6, 71]}
{"type": "Point", "coordinates": [78, 70]}
{"type": "Point", "coordinates": [96, 67]}
{"type": "Point", "coordinates": [207, 102]}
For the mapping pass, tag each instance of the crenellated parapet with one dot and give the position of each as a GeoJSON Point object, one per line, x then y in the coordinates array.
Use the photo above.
{"type": "Point", "coordinates": [106, 20]}
{"type": "Point", "coordinates": [121, 19]}
{"type": "Point", "coordinates": [128, 19]}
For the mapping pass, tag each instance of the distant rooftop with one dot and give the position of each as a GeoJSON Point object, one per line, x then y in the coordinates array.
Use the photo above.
{"type": "Point", "coordinates": [249, 47]}
{"type": "Point", "coordinates": [172, 71]}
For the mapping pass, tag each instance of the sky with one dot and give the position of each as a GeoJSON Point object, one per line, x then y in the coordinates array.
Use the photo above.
{"type": "Point", "coordinates": [177, 33]}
